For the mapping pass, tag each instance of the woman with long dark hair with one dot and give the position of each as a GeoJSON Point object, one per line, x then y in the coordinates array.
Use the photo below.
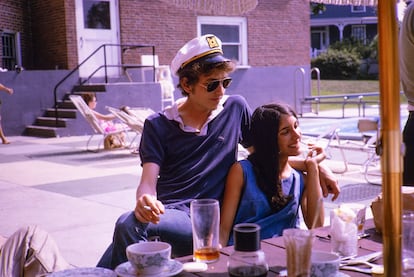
{"type": "Point", "coordinates": [264, 188]}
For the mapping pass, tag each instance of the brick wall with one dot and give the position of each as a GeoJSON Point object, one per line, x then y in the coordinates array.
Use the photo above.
{"type": "Point", "coordinates": [278, 31]}
{"type": "Point", "coordinates": [154, 22]}
{"type": "Point", "coordinates": [71, 39]}
{"type": "Point", "coordinates": [15, 17]}
{"type": "Point", "coordinates": [49, 34]}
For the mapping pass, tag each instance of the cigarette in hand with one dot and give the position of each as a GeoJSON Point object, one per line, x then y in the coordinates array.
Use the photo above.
{"type": "Point", "coordinates": [148, 208]}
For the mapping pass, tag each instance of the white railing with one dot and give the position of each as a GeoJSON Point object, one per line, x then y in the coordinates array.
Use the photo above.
{"type": "Point", "coordinates": [316, 52]}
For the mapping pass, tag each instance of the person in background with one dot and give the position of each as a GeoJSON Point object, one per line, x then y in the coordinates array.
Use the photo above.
{"type": "Point", "coordinates": [106, 122]}
{"type": "Point", "coordinates": [105, 119]}
{"type": "Point", "coordinates": [186, 152]}
{"type": "Point", "coordinates": [406, 41]}
{"type": "Point", "coordinates": [264, 188]}
{"type": "Point", "coordinates": [30, 252]}
{"type": "Point", "coordinates": [2, 136]}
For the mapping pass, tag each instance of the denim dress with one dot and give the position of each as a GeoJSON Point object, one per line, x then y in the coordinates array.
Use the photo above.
{"type": "Point", "coordinates": [255, 208]}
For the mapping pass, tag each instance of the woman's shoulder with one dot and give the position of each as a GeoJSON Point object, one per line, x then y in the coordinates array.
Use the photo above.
{"type": "Point", "coordinates": [245, 163]}
{"type": "Point", "coordinates": [246, 167]}
{"type": "Point", "coordinates": [241, 168]}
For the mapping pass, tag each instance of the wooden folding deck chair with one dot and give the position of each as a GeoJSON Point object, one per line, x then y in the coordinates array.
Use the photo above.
{"type": "Point", "coordinates": [134, 118]}
{"type": "Point", "coordinates": [88, 114]}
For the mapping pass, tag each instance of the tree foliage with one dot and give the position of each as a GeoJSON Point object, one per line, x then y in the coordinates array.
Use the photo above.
{"type": "Point", "coordinates": [317, 8]}
{"type": "Point", "coordinates": [337, 64]}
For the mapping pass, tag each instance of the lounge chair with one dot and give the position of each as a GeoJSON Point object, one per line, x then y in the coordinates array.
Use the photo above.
{"type": "Point", "coordinates": [88, 114]}
{"type": "Point", "coordinates": [369, 130]}
{"type": "Point", "coordinates": [134, 118]}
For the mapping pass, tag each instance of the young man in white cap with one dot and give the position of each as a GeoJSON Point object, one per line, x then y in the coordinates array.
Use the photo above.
{"type": "Point", "coordinates": [186, 152]}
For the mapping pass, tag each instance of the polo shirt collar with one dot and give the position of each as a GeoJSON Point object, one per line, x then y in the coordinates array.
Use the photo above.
{"type": "Point", "coordinates": [171, 112]}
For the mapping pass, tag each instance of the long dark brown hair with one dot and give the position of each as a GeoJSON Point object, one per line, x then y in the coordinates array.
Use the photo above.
{"type": "Point", "coordinates": [265, 158]}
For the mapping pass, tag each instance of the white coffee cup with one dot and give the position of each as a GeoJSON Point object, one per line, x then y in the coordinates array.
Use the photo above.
{"type": "Point", "coordinates": [149, 257]}
{"type": "Point", "coordinates": [324, 264]}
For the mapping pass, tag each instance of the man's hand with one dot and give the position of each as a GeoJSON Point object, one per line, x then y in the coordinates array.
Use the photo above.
{"type": "Point", "coordinates": [148, 209]}
{"type": "Point", "coordinates": [329, 183]}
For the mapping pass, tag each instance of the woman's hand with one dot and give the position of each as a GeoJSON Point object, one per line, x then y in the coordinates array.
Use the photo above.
{"type": "Point", "coordinates": [327, 179]}
{"type": "Point", "coordinates": [317, 153]}
{"type": "Point", "coordinates": [148, 209]}
{"type": "Point", "coordinates": [329, 183]}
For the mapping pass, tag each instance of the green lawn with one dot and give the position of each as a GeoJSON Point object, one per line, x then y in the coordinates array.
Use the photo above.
{"type": "Point", "coordinates": [330, 87]}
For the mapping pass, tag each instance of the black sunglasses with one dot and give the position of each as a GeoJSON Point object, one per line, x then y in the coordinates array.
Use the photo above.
{"type": "Point", "coordinates": [211, 86]}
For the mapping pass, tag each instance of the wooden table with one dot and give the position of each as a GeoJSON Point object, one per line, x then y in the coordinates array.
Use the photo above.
{"type": "Point", "coordinates": [276, 255]}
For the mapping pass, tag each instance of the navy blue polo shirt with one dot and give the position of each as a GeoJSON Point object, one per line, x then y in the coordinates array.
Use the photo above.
{"type": "Point", "coordinates": [193, 165]}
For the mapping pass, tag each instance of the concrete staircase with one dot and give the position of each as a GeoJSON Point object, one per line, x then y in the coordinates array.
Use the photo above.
{"type": "Point", "coordinates": [71, 123]}
{"type": "Point", "coordinates": [49, 126]}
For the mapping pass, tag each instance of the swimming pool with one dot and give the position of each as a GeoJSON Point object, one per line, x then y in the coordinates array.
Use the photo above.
{"type": "Point", "coordinates": [348, 127]}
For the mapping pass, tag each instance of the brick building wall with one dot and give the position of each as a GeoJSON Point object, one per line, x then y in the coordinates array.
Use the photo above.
{"type": "Point", "coordinates": [154, 22]}
{"type": "Point", "coordinates": [278, 31]}
{"type": "Point", "coordinates": [15, 17]}
{"type": "Point", "coordinates": [71, 39]}
{"type": "Point", "coordinates": [49, 34]}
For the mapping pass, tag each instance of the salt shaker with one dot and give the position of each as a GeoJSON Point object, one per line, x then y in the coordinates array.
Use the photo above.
{"type": "Point", "coordinates": [247, 259]}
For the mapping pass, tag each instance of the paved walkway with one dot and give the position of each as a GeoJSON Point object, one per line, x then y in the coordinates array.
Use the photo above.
{"type": "Point", "coordinates": [77, 195]}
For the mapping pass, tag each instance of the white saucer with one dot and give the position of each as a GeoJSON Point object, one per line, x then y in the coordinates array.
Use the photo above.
{"type": "Point", "coordinates": [127, 270]}
{"type": "Point", "coordinates": [338, 274]}
{"type": "Point", "coordinates": [87, 272]}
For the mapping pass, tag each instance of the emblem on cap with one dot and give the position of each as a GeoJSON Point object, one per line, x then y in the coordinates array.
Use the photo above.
{"type": "Point", "coordinates": [212, 42]}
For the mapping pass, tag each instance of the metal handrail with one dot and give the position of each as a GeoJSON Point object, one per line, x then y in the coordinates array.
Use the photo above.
{"type": "Point", "coordinates": [302, 75]}
{"type": "Point", "coordinates": [318, 78]}
{"type": "Point", "coordinates": [124, 47]}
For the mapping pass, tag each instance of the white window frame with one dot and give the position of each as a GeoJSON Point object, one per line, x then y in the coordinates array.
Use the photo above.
{"type": "Point", "coordinates": [17, 47]}
{"type": "Point", "coordinates": [357, 9]}
{"type": "Point", "coordinates": [224, 20]}
{"type": "Point", "coordinates": [360, 27]}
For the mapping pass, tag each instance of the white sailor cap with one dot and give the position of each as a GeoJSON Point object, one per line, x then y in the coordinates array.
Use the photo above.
{"type": "Point", "coordinates": [206, 48]}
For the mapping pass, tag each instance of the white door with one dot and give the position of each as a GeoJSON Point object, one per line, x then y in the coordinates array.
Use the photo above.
{"type": "Point", "coordinates": [97, 24]}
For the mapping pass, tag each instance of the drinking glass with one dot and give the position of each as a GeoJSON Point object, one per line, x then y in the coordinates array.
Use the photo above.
{"type": "Point", "coordinates": [408, 240]}
{"type": "Point", "coordinates": [205, 220]}
{"type": "Point", "coordinates": [298, 245]}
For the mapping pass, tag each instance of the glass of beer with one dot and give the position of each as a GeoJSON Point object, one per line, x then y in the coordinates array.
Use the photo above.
{"type": "Point", "coordinates": [205, 220]}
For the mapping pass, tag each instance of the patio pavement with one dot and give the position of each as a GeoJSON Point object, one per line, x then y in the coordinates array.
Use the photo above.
{"type": "Point", "coordinates": [77, 195]}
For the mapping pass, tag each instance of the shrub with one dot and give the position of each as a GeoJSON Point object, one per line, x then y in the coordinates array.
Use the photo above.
{"type": "Point", "coordinates": [364, 51]}
{"type": "Point", "coordinates": [337, 64]}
